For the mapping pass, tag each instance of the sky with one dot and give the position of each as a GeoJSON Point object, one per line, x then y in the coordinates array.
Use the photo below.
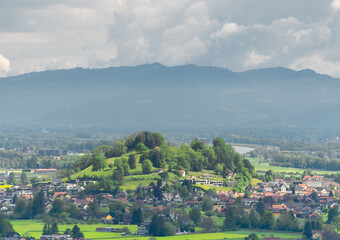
{"type": "Point", "coordinates": [37, 35]}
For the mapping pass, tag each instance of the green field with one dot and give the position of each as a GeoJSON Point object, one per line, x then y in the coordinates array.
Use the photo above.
{"type": "Point", "coordinates": [262, 166]}
{"type": "Point", "coordinates": [35, 230]}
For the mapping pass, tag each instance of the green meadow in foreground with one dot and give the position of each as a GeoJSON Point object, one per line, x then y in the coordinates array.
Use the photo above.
{"type": "Point", "coordinates": [35, 230]}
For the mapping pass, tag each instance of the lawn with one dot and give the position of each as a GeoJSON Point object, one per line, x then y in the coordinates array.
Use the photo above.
{"type": "Point", "coordinates": [235, 235]}
{"type": "Point", "coordinates": [35, 229]}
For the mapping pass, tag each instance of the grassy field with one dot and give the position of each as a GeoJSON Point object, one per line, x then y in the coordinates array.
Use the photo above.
{"type": "Point", "coordinates": [35, 229]}
{"type": "Point", "coordinates": [262, 166]}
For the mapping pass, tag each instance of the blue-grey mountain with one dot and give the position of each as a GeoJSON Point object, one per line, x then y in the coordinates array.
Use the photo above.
{"type": "Point", "coordinates": [157, 97]}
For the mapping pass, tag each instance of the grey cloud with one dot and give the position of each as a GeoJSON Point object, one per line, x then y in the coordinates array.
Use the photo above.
{"type": "Point", "coordinates": [38, 35]}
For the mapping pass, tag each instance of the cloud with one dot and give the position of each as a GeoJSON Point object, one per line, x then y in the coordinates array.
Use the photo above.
{"type": "Point", "coordinates": [317, 62]}
{"type": "Point", "coordinates": [235, 34]}
{"type": "Point", "coordinates": [227, 30]}
{"type": "Point", "coordinates": [336, 5]}
{"type": "Point", "coordinates": [4, 64]}
{"type": "Point", "coordinates": [255, 59]}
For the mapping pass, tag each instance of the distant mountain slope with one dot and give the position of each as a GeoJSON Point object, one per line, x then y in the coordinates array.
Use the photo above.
{"type": "Point", "coordinates": [157, 97]}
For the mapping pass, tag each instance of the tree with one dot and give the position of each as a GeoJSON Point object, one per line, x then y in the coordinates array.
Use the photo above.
{"type": "Point", "coordinates": [307, 230]}
{"type": "Point", "coordinates": [68, 231]}
{"type": "Point", "coordinates": [137, 216]}
{"type": "Point", "coordinates": [267, 220]}
{"type": "Point", "coordinates": [146, 166]}
{"type": "Point", "coordinates": [156, 225]}
{"type": "Point", "coordinates": [57, 207]}
{"type": "Point", "coordinates": [260, 208]}
{"type": "Point", "coordinates": [45, 230]}
{"type": "Point", "coordinates": [195, 215]}
{"type": "Point", "coordinates": [330, 234]}
{"type": "Point", "coordinates": [98, 161]}
{"type": "Point", "coordinates": [117, 176]}
{"type": "Point", "coordinates": [117, 208]}
{"type": "Point", "coordinates": [252, 236]}
{"type": "Point", "coordinates": [5, 226]}
{"type": "Point", "coordinates": [11, 178]}
{"type": "Point", "coordinates": [156, 157]}
{"type": "Point", "coordinates": [117, 149]}
{"type": "Point", "coordinates": [54, 228]}
{"type": "Point", "coordinates": [132, 161]}
{"type": "Point", "coordinates": [93, 208]}
{"type": "Point", "coordinates": [207, 204]}
{"type": "Point", "coordinates": [76, 233]}
{"type": "Point", "coordinates": [254, 219]}
{"type": "Point", "coordinates": [159, 138]}
{"type": "Point", "coordinates": [157, 192]}
{"type": "Point", "coordinates": [232, 218]}
{"type": "Point", "coordinates": [208, 225]}
{"type": "Point", "coordinates": [332, 213]}
{"type": "Point", "coordinates": [39, 201]}
{"type": "Point", "coordinates": [24, 177]}
{"type": "Point", "coordinates": [35, 180]}
{"type": "Point", "coordinates": [141, 148]}
{"type": "Point", "coordinates": [287, 221]}
{"type": "Point", "coordinates": [196, 144]}
{"type": "Point", "coordinates": [20, 207]}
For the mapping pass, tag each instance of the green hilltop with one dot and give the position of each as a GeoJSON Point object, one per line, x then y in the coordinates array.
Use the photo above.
{"type": "Point", "coordinates": [145, 157]}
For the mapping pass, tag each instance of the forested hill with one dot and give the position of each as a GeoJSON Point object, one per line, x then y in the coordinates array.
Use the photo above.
{"type": "Point", "coordinates": [157, 97]}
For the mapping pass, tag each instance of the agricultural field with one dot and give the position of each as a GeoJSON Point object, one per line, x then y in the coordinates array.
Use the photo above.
{"type": "Point", "coordinates": [262, 166]}
{"type": "Point", "coordinates": [35, 230]}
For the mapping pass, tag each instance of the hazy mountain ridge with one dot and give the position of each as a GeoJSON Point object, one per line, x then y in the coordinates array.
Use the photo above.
{"type": "Point", "coordinates": [157, 97]}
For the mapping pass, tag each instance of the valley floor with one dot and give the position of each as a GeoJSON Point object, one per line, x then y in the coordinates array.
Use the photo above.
{"type": "Point", "coordinates": [34, 229]}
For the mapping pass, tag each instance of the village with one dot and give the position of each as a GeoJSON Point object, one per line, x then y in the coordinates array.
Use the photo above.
{"type": "Point", "coordinates": [308, 199]}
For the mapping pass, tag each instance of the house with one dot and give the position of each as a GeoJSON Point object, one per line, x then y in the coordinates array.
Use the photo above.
{"type": "Point", "coordinates": [105, 229]}
{"type": "Point", "coordinates": [206, 176]}
{"type": "Point", "coordinates": [313, 215]}
{"type": "Point", "coordinates": [45, 170]}
{"type": "Point", "coordinates": [182, 172]}
{"type": "Point", "coordinates": [56, 236]}
{"type": "Point", "coordinates": [61, 195]}
{"type": "Point", "coordinates": [142, 230]}
{"type": "Point", "coordinates": [193, 203]}
{"type": "Point", "coordinates": [12, 236]}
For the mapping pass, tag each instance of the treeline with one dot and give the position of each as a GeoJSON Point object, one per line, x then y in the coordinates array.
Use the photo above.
{"type": "Point", "coordinates": [305, 161]}
{"type": "Point", "coordinates": [16, 160]}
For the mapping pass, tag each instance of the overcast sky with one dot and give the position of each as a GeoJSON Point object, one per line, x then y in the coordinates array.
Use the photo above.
{"type": "Point", "coordinates": [37, 35]}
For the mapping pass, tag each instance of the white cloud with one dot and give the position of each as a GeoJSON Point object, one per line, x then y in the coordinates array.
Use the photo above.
{"type": "Point", "coordinates": [255, 59]}
{"type": "Point", "coordinates": [4, 65]}
{"type": "Point", "coordinates": [228, 29]}
{"type": "Point", "coordinates": [336, 5]}
{"type": "Point", "coordinates": [318, 63]}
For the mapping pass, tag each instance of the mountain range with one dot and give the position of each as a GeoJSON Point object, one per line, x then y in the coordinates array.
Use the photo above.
{"type": "Point", "coordinates": [157, 97]}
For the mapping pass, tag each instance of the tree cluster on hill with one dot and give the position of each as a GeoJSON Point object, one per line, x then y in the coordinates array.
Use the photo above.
{"type": "Point", "coordinates": [153, 154]}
